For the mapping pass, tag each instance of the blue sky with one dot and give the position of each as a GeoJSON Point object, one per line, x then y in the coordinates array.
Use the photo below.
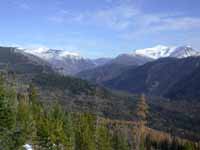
{"type": "Point", "coordinates": [99, 28]}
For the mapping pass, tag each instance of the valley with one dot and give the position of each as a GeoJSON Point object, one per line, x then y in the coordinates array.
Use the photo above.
{"type": "Point", "coordinates": [112, 89]}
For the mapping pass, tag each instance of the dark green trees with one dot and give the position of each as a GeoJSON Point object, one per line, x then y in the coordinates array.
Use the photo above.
{"type": "Point", "coordinates": [25, 125]}
{"type": "Point", "coordinates": [103, 137]}
{"type": "Point", "coordinates": [85, 126]}
{"type": "Point", "coordinates": [7, 116]}
{"type": "Point", "coordinates": [25, 120]}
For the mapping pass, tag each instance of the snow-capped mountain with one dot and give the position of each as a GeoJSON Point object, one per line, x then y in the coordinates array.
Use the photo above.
{"type": "Point", "coordinates": [67, 63]}
{"type": "Point", "coordinates": [184, 51]}
{"type": "Point", "coordinates": [70, 63]}
{"type": "Point", "coordinates": [64, 62]}
{"type": "Point", "coordinates": [161, 51]}
{"type": "Point", "coordinates": [47, 53]}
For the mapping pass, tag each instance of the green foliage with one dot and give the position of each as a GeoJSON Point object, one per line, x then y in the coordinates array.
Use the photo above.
{"type": "Point", "coordinates": [85, 132]}
{"type": "Point", "coordinates": [50, 125]}
{"type": "Point", "coordinates": [103, 138]}
{"type": "Point", "coordinates": [23, 119]}
{"type": "Point", "coordinates": [7, 107]}
{"type": "Point", "coordinates": [74, 85]}
{"type": "Point", "coordinates": [7, 115]}
{"type": "Point", "coordinates": [120, 141]}
{"type": "Point", "coordinates": [32, 93]}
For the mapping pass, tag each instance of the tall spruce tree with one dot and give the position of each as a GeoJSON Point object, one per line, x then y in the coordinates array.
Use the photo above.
{"type": "Point", "coordinates": [8, 105]}
{"type": "Point", "coordinates": [142, 110]}
{"type": "Point", "coordinates": [141, 113]}
{"type": "Point", "coordinates": [25, 120]}
{"type": "Point", "coordinates": [103, 138]}
{"type": "Point", "coordinates": [84, 132]}
{"type": "Point", "coordinates": [119, 141]}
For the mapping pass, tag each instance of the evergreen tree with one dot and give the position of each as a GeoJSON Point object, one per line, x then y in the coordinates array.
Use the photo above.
{"type": "Point", "coordinates": [119, 141]}
{"type": "Point", "coordinates": [50, 128]}
{"type": "Point", "coordinates": [188, 146]}
{"type": "Point", "coordinates": [33, 94]}
{"type": "Point", "coordinates": [8, 106]}
{"type": "Point", "coordinates": [84, 132]}
{"type": "Point", "coordinates": [141, 113]}
{"type": "Point", "coordinates": [69, 131]}
{"type": "Point", "coordinates": [25, 120]}
{"type": "Point", "coordinates": [103, 138]}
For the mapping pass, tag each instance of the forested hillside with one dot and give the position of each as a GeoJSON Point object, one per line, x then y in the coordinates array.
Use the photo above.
{"type": "Point", "coordinates": [104, 73]}
{"type": "Point", "coordinates": [164, 77]}
{"type": "Point", "coordinates": [80, 96]}
{"type": "Point", "coordinates": [179, 118]}
{"type": "Point", "coordinates": [25, 121]}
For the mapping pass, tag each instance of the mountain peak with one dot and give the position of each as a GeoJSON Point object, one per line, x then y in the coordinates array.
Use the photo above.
{"type": "Point", "coordinates": [47, 53]}
{"type": "Point", "coordinates": [184, 51]}
{"type": "Point", "coordinates": [161, 51]}
{"type": "Point", "coordinates": [154, 52]}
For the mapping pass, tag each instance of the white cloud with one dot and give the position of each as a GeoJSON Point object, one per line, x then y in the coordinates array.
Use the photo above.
{"type": "Point", "coordinates": [119, 17]}
{"type": "Point", "coordinates": [149, 24]}
{"type": "Point", "coordinates": [183, 23]}
{"type": "Point", "coordinates": [116, 17]}
{"type": "Point", "coordinates": [126, 18]}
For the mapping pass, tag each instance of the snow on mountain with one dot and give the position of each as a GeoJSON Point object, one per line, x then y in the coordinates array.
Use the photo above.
{"type": "Point", "coordinates": [47, 53]}
{"type": "Point", "coordinates": [184, 51]}
{"type": "Point", "coordinates": [64, 62]}
{"type": "Point", "coordinates": [155, 52]}
{"type": "Point", "coordinates": [161, 51]}
{"type": "Point", "coordinates": [70, 63]}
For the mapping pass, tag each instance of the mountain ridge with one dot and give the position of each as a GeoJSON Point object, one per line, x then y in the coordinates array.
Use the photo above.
{"type": "Point", "coordinates": [70, 63]}
{"type": "Point", "coordinates": [161, 51]}
{"type": "Point", "coordinates": [161, 78]}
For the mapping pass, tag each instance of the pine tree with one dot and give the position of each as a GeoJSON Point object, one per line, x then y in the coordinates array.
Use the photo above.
{"type": "Point", "coordinates": [69, 131]}
{"type": "Point", "coordinates": [188, 146]}
{"type": "Point", "coordinates": [25, 120]}
{"type": "Point", "coordinates": [141, 113]}
{"type": "Point", "coordinates": [85, 132]}
{"type": "Point", "coordinates": [50, 132]}
{"type": "Point", "coordinates": [33, 94]}
{"type": "Point", "coordinates": [119, 141]}
{"type": "Point", "coordinates": [8, 106]}
{"type": "Point", "coordinates": [103, 138]}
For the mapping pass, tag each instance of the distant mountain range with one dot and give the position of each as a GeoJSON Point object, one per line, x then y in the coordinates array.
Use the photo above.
{"type": "Point", "coordinates": [64, 62]}
{"type": "Point", "coordinates": [69, 63]}
{"type": "Point", "coordinates": [156, 71]}
{"type": "Point", "coordinates": [163, 71]}
{"type": "Point", "coordinates": [166, 77]}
